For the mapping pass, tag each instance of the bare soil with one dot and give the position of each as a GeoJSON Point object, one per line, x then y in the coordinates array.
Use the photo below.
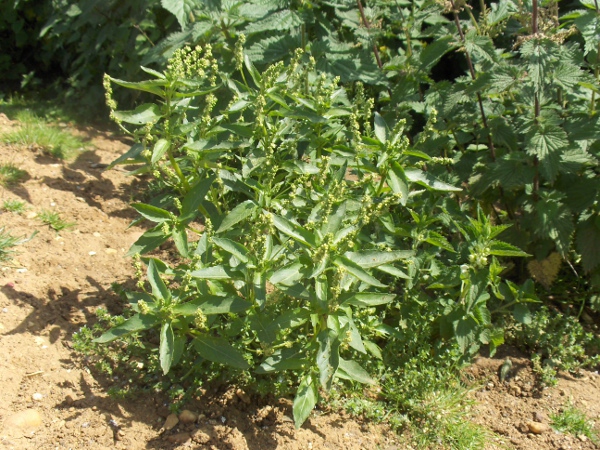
{"type": "Point", "coordinates": [56, 282]}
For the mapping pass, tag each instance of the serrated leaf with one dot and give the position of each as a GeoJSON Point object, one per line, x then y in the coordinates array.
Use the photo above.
{"type": "Point", "coordinates": [220, 351]}
{"type": "Point", "coordinates": [588, 243]}
{"type": "Point", "coordinates": [546, 270]}
{"type": "Point", "coordinates": [143, 114]}
{"type": "Point", "coordinates": [167, 347]}
{"type": "Point", "coordinates": [305, 400]}
{"type": "Point", "coordinates": [434, 51]}
{"type": "Point", "coordinates": [499, 248]}
{"type": "Point", "coordinates": [181, 9]}
{"type": "Point", "coordinates": [135, 323]}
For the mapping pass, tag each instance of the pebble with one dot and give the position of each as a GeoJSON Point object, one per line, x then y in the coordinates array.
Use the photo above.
{"type": "Point", "coordinates": [37, 396]}
{"type": "Point", "coordinates": [24, 422]}
{"type": "Point", "coordinates": [537, 427]}
{"type": "Point", "coordinates": [187, 416]}
{"type": "Point", "coordinates": [96, 234]}
{"type": "Point", "coordinates": [539, 417]}
{"type": "Point", "coordinates": [243, 396]}
{"type": "Point", "coordinates": [31, 215]}
{"type": "Point", "coordinates": [170, 422]}
{"type": "Point", "coordinates": [91, 253]}
{"type": "Point", "coordinates": [110, 251]}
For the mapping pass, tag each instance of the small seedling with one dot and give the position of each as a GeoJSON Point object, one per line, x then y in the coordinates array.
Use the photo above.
{"type": "Point", "coordinates": [15, 206]}
{"type": "Point", "coordinates": [11, 174]}
{"type": "Point", "coordinates": [7, 241]}
{"type": "Point", "coordinates": [54, 220]}
{"type": "Point", "coordinates": [574, 421]}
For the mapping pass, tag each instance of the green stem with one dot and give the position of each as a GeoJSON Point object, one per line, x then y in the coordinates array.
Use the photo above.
{"type": "Point", "coordinates": [178, 171]}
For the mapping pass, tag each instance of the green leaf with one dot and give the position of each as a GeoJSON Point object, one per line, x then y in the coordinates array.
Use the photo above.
{"type": "Point", "coordinates": [235, 248]}
{"type": "Point", "coordinates": [381, 128]}
{"type": "Point", "coordinates": [193, 199]}
{"type": "Point", "coordinates": [181, 9]}
{"type": "Point", "coordinates": [328, 357]}
{"type": "Point", "coordinates": [435, 238]}
{"type": "Point", "coordinates": [160, 148]}
{"type": "Point", "coordinates": [351, 370]}
{"type": "Point", "coordinates": [283, 359]}
{"type": "Point", "coordinates": [354, 269]}
{"type": "Point", "coordinates": [143, 114]}
{"type": "Point", "coordinates": [212, 273]}
{"type": "Point", "coordinates": [167, 347]}
{"type": "Point", "coordinates": [434, 51]}
{"type": "Point", "coordinates": [179, 235]}
{"type": "Point", "coordinates": [152, 213]}
{"type": "Point", "coordinates": [159, 288]}
{"type": "Point", "coordinates": [306, 399]}
{"type": "Point", "coordinates": [368, 299]}
{"type": "Point", "coordinates": [427, 180]}
{"type": "Point", "coordinates": [522, 314]}
{"type": "Point", "coordinates": [148, 241]}
{"type": "Point", "coordinates": [294, 231]}
{"type": "Point", "coordinates": [135, 323]}
{"type": "Point", "coordinates": [373, 258]}
{"type": "Point", "coordinates": [153, 86]}
{"type": "Point", "coordinates": [131, 156]}
{"type": "Point", "coordinates": [220, 351]}
{"type": "Point", "coordinates": [397, 181]}
{"type": "Point", "coordinates": [237, 214]}
{"type": "Point", "coordinates": [588, 243]}
{"type": "Point", "coordinates": [212, 304]}
{"type": "Point", "coordinates": [500, 248]}
{"type": "Point", "coordinates": [287, 275]}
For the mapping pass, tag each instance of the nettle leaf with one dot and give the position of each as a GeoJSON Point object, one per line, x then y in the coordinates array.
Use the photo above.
{"type": "Point", "coordinates": [167, 347]}
{"type": "Point", "coordinates": [135, 323]}
{"type": "Point", "coordinates": [306, 399]}
{"type": "Point", "coordinates": [547, 142]}
{"type": "Point", "coordinates": [434, 51]}
{"type": "Point", "coordinates": [274, 48]}
{"type": "Point", "coordinates": [588, 25]}
{"type": "Point", "coordinates": [220, 351]}
{"type": "Point", "coordinates": [499, 248]}
{"type": "Point", "coordinates": [480, 47]}
{"type": "Point", "coordinates": [143, 114]}
{"type": "Point", "coordinates": [281, 20]}
{"type": "Point", "coordinates": [181, 9]}
{"type": "Point", "coordinates": [588, 243]}
{"type": "Point", "coordinates": [539, 55]}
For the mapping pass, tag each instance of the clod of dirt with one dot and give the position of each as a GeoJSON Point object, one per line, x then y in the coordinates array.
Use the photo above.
{"type": "Point", "coordinates": [23, 423]}
{"type": "Point", "coordinates": [537, 427]}
{"type": "Point", "coordinates": [170, 423]}
{"type": "Point", "coordinates": [179, 438]}
{"type": "Point", "coordinates": [243, 396]}
{"type": "Point", "coordinates": [202, 436]}
{"type": "Point", "coordinates": [187, 416]}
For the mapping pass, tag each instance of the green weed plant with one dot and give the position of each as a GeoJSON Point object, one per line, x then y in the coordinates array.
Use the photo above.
{"type": "Point", "coordinates": [305, 225]}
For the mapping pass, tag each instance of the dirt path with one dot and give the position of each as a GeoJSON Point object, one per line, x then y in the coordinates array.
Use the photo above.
{"type": "Point", "coordinates": [58, 280]}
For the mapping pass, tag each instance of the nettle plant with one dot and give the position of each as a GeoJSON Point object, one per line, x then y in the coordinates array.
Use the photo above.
{"type": "Point", "coordinates": [289, 206]}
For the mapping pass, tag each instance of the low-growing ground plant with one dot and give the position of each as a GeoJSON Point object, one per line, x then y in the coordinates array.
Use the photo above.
{"type": "Point", "coordinates": [54, 221]}
{"type": "Point", "coordinates": [15, 206]}
{"type": "Point", "coordinates": [8, 241]}
{"type": "Point", "coordinates": [574, 421]}
{"type": "Point", "coordinates": [11, 174]}
{"type": "Point", "coordinates": [36, 133]}
{"type": "Point", "coordinates": [308, 233]}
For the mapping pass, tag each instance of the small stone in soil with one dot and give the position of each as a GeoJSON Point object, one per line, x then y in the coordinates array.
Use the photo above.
{"type": "Point", "coordinates": [37, 396]}
{"type": "Point", "coordinates": [170, 422]}
{"type": "Point", "coordinates": [187, 416]}
{"type": "Point", "coordinates": [179, 438]}
{"type": "Point", "coordinates": [24, 422]}
{"type": "Point", "coordinates": [537, 427]}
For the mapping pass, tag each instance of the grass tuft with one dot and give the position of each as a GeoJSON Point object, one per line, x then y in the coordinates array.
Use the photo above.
{"type": "Point", "coordinates": [7, 242]}
{"type": "Point", "coordinates": [15, 206]}
{"type": "Point", "coordinates": [37, 133]}
{"type": "Point", "coordinates": [53, 219]}
{"type": "Point", "coordinates": [574, 421]}
{"type": "Point", "coordinates": [11, 174]}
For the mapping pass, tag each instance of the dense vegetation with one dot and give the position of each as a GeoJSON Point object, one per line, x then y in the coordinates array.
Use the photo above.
{"type": "Point", "coordinates": [344, 182]}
